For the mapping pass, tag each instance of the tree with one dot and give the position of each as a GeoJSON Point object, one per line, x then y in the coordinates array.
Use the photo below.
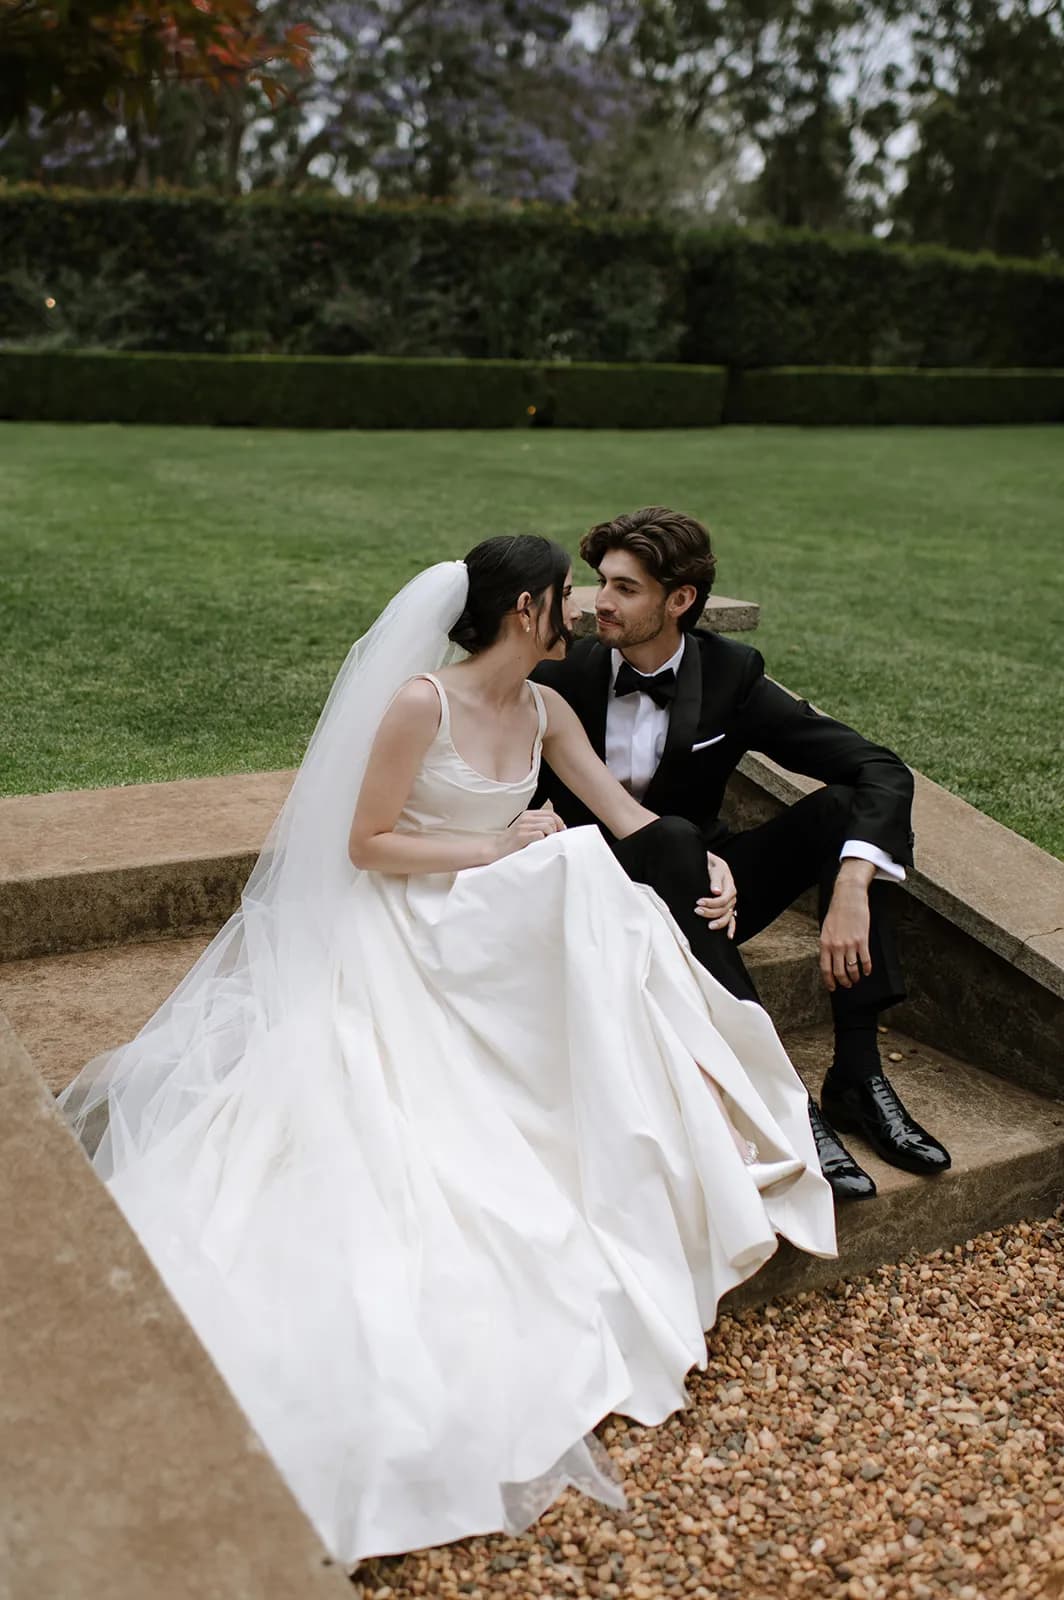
{"type": "Point", "coordinates": [802, 96]}
{"type": "Point", "coordinates": [453, 98]}
{"type": "Point", "coordinates": [106, 58]}
{"type": "Point", "coordinates": [987, 170]}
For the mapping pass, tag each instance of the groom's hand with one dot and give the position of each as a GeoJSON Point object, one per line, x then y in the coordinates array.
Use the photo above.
{"type": "Point", "coordinates": [844, 954]}
{"type": "Point", "coordinates": [718, 907]}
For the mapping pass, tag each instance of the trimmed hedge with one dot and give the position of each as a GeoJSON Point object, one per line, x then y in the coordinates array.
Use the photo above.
{"type": "Point", "coordinates": [811, 300]}
{"type": "Point", "coordinates": [597, 395]}
{"type": "Point", "coordinates": [367, 392]}
{"type": "Point", "coordinates": [325, 276]}
{"type": "Point", "coordinates": [838, 396]}
{"type": "Point", "coordinates": [361, 392]}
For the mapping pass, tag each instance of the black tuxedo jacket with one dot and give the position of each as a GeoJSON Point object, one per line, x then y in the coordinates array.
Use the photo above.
{"type": "Point", "coordinates": [725, 706]}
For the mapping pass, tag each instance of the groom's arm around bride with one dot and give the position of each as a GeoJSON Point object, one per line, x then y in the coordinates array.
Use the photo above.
{"type": "Point", "coordinates": [672, 708]}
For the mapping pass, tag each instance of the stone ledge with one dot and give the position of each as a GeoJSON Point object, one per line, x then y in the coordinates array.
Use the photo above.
{"type": "Point", "coordinates": [721, 615]}
{"type": "Point", "coordinates": [89, 867]}
{"type": "Point", "coordinates": [80, 830]}
{"type": "Point", "coordinates": [991, 882]}
{"type": "Point", "coordinates": [128, 1466]}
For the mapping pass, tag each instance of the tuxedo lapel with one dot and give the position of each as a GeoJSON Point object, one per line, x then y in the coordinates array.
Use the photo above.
{"type": "Point", "coordinates": [683, 724]}
{"type": "Point", "coordinates": [595, 697]}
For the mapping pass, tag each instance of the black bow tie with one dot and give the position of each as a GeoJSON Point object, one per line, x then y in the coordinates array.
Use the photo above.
{"type": "Point", "coordinates": [661, 687]}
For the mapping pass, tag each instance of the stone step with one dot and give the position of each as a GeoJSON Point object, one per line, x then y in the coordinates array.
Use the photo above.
{"type": "Point", "coordinates": [784, 964]}
{"type": "Point", "coordinates": [1007, 1146]}
{"type": "Point", "coordinates": [68, 1008]}
{"type": "Point", "coordinates": [92, 867]}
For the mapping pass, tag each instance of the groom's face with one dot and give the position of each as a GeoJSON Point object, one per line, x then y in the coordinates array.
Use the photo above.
{"type": "Point", "coordinates": [631, 607]}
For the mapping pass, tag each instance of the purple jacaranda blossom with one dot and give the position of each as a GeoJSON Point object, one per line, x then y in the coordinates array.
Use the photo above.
{"type": "Point", "coordinates": [447, 98]}
{"type": "Point", "coordinates": [502, 100]}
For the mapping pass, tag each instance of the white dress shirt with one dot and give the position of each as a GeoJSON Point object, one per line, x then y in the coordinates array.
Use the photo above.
{"type": "Point", "coordinates": [636, 730]}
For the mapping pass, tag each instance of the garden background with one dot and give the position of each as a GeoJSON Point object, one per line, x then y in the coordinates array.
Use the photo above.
{"type": "Point", "coordinates": [533, 217]}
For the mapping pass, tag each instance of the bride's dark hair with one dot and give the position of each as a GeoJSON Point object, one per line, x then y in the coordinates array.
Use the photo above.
{"type": "Point", "coordinates": [500, 571]}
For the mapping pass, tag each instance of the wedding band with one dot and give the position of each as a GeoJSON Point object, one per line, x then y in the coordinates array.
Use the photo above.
{"type": "Point", "coordinates": [853, 963]}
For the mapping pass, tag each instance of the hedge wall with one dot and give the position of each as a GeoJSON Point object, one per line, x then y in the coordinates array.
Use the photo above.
{"type": "Point", "coordinates": [361, 392]}
{"type": "Point", "coordinates": [311, 276]}
{"type": "Point", "coordinates": [811, 300]}
{"type": "Point", "coordinates": [371, 392]}
{"type": "Point", "coordinates": [834, 395]}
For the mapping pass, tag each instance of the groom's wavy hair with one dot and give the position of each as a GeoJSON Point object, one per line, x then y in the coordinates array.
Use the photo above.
{"type": "Point", "coordinates": [673, 548]}
{"type": "Point", "coordinates": [500, 571]}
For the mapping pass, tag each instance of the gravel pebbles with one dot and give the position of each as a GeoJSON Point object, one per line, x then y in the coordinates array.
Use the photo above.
{"type": "Point", "coordinates": [901, 1435]}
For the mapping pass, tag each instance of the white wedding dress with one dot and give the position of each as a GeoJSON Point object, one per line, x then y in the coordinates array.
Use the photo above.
{"type": "Point", "coordinates": [488, 1187]}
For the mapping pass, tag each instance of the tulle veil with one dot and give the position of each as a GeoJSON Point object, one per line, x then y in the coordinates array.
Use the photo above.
{"type": "Point", "coordinates": [250, 993]}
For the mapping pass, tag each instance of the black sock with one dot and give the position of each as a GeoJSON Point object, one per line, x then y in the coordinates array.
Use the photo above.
{"type": "Point", "coordinates": [856, 1046]}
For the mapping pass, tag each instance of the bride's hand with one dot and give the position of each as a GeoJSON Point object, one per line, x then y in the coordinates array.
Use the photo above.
{"type": "Point", "coordinates": [530, 826]}
{"type": "Point", "coordinates": [718, 908]}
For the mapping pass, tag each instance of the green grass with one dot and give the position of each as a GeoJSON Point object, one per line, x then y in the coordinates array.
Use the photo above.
{"type": "Point", "coordinates": [175, 601]}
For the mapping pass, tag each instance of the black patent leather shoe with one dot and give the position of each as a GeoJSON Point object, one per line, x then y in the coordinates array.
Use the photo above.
{"type": "Point", "coordinates": [848, 1181]}
{"type": "Point", "coordinates": [873, 1109]}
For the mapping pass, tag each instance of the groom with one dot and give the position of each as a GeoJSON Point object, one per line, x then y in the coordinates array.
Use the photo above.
{"type": "Point", "coordinates": [671, 709]}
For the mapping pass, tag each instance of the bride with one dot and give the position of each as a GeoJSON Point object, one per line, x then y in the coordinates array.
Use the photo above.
{"type": "Point", "coordinates": [446, 1146]}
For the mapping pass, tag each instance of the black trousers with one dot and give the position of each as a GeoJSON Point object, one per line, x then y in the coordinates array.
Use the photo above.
{"type": "Point", "coordinates": [772, 865]}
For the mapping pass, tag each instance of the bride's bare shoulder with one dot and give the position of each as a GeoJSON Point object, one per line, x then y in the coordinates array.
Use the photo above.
{"type": "Point", "coordinates": [415, 710]}
{"type": "Point", "coordinates": [560, 714]}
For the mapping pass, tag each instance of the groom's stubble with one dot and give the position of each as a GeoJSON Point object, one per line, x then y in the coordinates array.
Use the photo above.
{"type": "Point", "coordinates": [632, 631]}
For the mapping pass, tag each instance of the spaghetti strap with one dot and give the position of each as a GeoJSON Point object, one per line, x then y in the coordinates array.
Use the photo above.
{"type": "Point", "coordinates": [541, 709]}
{"type": "Point", "coordinates": [445, 709]}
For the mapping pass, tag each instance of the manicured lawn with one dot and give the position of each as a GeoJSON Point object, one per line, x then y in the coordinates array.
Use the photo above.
{"type": "Point", "coordinates": [176, 601]}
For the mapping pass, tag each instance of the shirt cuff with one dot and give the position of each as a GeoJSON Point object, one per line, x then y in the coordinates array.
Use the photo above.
{"type": "Point", "coordinates": [886, 866]}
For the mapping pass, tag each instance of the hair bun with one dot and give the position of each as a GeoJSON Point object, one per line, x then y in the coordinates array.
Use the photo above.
{"type": "Point", "coordinates": [465, 632]}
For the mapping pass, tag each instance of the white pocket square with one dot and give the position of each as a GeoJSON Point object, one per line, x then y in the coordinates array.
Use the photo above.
{"type": "Point", "coordinates": [705, 744]}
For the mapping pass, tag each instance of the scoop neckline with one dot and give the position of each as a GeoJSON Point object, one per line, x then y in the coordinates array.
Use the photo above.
{"type": "Point", "coordinates": [500, 783]}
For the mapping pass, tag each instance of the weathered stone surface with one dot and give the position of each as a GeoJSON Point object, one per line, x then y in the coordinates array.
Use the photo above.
{"type": "Point", "coordinates": [721, 615]}
{"type": "Point", "coordinates": [1008, 1163]}
{"type": "Point", "coordinates": [783, 964]}
{"type": "Point", "coordinates": [154, 900]}
{"type": "Point", "coordinates": [83, 829]}
{"type": "Point", "coordinates": [66, 1009]}
{"type": "Point", "coordinates": [99, 866]}
{"type": "Point", "coordinates": [126, 1468]}
{"type": "Point", "coordinates": [968, 999]}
